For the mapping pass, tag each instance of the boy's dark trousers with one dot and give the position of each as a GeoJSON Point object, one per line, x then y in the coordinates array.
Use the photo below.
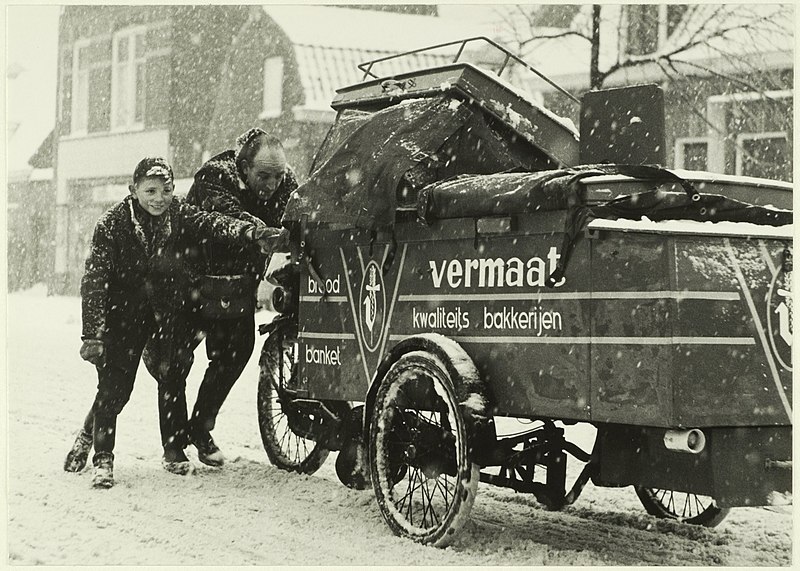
{"type": "Point", "coordinates": [127, 331]}
{"type": "Point", "coordinates": [169, 358]}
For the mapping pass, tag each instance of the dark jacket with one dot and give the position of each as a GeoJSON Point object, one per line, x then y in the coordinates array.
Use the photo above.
{"type": "Point", "coordinates": [218, 187]}
{"type": "Point", "coordinates": [137, 262]}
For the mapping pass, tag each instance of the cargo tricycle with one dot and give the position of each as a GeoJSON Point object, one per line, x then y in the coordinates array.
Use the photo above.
{"type": "Point", "coordinates": [461, 257]}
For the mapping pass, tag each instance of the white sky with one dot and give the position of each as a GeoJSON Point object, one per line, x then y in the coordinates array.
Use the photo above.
{"type": "Point", "coordinates": [31, 67]}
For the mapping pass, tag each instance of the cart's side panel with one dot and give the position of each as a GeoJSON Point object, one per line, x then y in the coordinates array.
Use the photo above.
{"type": "Point", "coordinates": [631, 329]}
{"type": "Point", "coordinates": [740, 376]}
{"type": "Point", "coordinates": [530, 343]}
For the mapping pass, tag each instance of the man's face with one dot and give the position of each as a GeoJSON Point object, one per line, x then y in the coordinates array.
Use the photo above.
{"type": "Point", "coordinates": [266, 173]}
{"type": "Point", "coordinates": [154, 194]}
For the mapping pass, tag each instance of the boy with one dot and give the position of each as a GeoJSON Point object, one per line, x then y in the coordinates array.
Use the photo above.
{"type": "Point", "coordinates": [135, 282]}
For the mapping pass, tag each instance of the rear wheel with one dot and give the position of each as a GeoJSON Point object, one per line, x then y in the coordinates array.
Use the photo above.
{"type": "Point", "coordinates": [422, 473]}
{"type": "Point", "coordinates": [285, 449]}
{"type": "Point", "coordinates": [681, 506]}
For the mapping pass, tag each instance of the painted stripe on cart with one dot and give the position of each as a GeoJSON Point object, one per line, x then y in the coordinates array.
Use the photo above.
{"type": "Point", "coordinates": [317, 335]}
{"type": "Point", "coordinates": [678, 295]}
{"type": "Point", "coordinates": [328, 298]}
{"type": "Point", "coordinates": [527, 340]}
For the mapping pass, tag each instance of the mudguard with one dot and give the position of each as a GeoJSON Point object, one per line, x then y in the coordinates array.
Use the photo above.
{"type": "Point", "coordinates": [473, 394]}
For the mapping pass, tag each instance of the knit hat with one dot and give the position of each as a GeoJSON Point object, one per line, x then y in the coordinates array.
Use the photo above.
{"type": "Point", "coordinates": [153, 166]}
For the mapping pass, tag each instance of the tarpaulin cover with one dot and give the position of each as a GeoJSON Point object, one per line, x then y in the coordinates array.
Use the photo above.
{"type": "Point", "coordinates": [369, 161]}
{"type": "Point", "coordinates": [356, 185]}
{"type": "Point", "coordinates": [512, 193]}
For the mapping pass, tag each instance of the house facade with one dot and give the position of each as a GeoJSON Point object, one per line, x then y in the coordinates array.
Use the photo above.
{"type": "Point", "coordinates": [729, 100]}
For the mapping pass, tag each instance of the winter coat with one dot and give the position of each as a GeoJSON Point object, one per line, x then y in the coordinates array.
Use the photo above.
{"type": "Point", "coordinates": [218, 187]}
{"type": "Point", "coordinates": [137, 262]}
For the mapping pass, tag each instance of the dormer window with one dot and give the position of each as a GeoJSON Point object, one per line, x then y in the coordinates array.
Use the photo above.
{"type": "Point", "coordinates": [128, 79]}
{"type": "Point", "coordinates": [273, 87]}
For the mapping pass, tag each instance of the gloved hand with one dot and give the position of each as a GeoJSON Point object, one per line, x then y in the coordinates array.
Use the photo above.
{"type": "Point", "coordinates": [93, 351]}
{"type": "Point", "coordinates": [271, 239]}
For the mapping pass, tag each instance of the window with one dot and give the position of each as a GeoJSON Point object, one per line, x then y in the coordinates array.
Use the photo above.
{"type": "Point", "coordinates": [80, 86]}
{"type": "Point", "coordinates": [128, 79]}
{"type": "Point", "coordinates": [764, 155]}
{"type": "Point", "coordinates": [273, 87]}
{"type": "Point", "coordinates": [691, 153]}
{"type": "Point", "coordinates": [642, 29]}
{"type": "Point", "coordinates": [650, 25]}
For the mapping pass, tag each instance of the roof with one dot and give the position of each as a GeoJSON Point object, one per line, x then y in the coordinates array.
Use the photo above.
{"type": "Point", "coordinates": [328, 55]}
{"type": "Point", "coordinates": [364, 29]}
{"type": "Point", "coordinates": [324, 69]}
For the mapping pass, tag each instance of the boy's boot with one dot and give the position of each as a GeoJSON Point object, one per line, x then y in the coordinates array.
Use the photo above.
{"type": "Point", "coordinates": [79, 454]}
{"type": "Point", "coordinates": [103, 476]}
{"type": "Point", "coordinates": [176, 462]}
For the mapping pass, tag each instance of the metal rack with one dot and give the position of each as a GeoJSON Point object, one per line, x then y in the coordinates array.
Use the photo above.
{"type": "Point", "coordinates": [366, 67]}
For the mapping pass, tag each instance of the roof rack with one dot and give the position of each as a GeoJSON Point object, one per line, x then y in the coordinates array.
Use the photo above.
{"type": "Point", "coordinates": [366, 66]}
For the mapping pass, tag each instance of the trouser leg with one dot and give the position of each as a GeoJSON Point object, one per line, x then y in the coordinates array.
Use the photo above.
{"type": "Point", "coordinates": [169, 358]}
{"type": "Point", "coordinates": [116, 378]}
{"type": "Point", "coordinates": [88, 422]}
{"type": "Point", "coordinates": [229, 345]}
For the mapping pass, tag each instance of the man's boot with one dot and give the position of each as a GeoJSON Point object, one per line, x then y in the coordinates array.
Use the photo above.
{"type": "Point", "coordinates": [79, 454]}
{"type": "Point", "coordinates": [207, 450]}
{"type": "Point", "coordinates": [103, 476]}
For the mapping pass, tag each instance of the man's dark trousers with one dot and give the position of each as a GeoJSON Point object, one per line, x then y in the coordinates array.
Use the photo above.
{"type": "Point", "coordinates": [229, 345]}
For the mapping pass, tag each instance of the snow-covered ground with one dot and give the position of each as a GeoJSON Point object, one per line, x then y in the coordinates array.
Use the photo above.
{"type": "Point", "coordinates": [250, 513]}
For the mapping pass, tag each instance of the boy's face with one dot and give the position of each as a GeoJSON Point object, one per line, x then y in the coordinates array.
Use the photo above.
{"type": "Point", "coordinates": [154, 194]}
{"type": "Point", "coordinates": [266, 173]}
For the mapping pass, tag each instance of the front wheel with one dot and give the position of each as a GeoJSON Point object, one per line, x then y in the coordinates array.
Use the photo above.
{"type": "Point", "coordinates": [422, 473]}
{"type": "Point", "coordinates": [285, 449]}
{"type": "Point", "coordinates": [681, 506]}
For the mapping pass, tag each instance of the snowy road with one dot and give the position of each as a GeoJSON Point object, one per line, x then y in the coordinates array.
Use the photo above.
{"type": "Point", "coordinates": [249, 513]}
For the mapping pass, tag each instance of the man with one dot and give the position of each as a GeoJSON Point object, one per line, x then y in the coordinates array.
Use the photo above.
{"type": "Point", "coordinates": [251, 183]}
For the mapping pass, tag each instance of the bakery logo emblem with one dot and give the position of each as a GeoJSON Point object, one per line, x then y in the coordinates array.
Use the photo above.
{"type": "Point", "coordinates": [779, 318]}
{"type": "Point", "coordinates": [372, 308]}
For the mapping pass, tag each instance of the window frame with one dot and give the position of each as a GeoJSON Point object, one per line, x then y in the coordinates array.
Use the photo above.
{"type": "Point", "coordinates": [75, 129]}
{"type": "Point", "coordinates": [680, 154]}
{"type": "Point", "coordinates": [268, 108]}
{"type": "Point", "coordinates": [739, 154]}
{"type": "Point", "coordinates": [130, 123]}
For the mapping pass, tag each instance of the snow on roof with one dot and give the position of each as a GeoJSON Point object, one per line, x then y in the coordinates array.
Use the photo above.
{"type": "Point", "coordinates": [323, 70]}
{"type": "Point", "coordinates": [337, 27]}
{"type": "Point", "coordinates": [329, 43]}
